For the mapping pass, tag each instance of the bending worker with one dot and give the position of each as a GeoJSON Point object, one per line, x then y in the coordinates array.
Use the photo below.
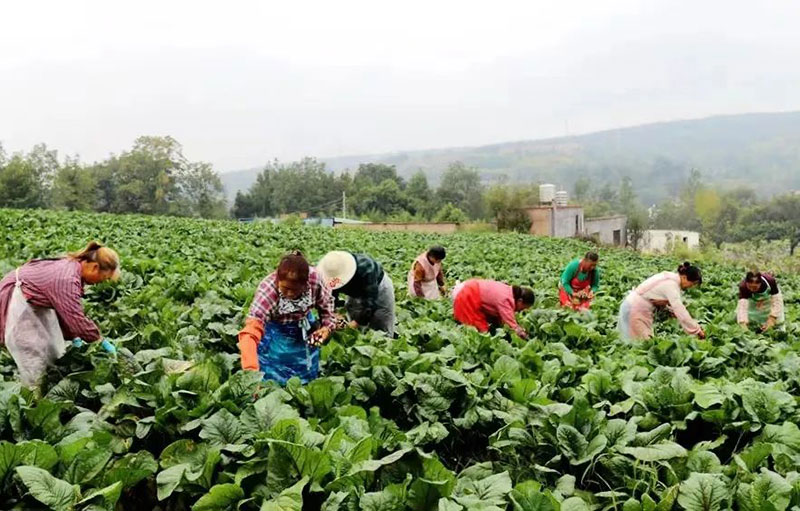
{"type": "Point", "coordinates": [41, 305]}
{"type": "Point", "coordinates": [760, 301]}
{"type": "Point", "coordinates": [281, 337]}
{"type": "Point", "coordinates": [579, 282]}
{"type": "Point", "coordinates": [661, 290]}
{"type": "Point", "coordinates": [369, 290]}
{"type": "Point", "coordinates": [485, 303]}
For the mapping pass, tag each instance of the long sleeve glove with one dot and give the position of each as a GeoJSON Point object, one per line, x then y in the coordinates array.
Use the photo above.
{"type": "Point", "coordinates": [249, 337]}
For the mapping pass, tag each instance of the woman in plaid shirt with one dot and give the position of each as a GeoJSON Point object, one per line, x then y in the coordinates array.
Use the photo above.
{"type": "Point", "coordinates": [52, 286]}
{"type": "Point", "coordinates": [281, 337]}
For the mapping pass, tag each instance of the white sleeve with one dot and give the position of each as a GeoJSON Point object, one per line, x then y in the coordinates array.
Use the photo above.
{"type": "Point", "coordinates": [742, 311]}
{"type": "Point", "coordinates": [776, 306]}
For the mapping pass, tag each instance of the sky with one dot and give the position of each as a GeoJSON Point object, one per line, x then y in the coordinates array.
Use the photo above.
{"type": "Point", "coordinates": [241, 83]}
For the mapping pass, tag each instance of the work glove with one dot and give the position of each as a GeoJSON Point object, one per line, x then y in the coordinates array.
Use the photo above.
{"type": "Point", "coordinates": [109, 346]}
{"type": "Point", "coordinates": [77, 342]}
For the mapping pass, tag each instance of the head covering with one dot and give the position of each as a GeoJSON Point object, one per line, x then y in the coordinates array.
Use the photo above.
{"type": "Point", "coordinates": [337, 268]}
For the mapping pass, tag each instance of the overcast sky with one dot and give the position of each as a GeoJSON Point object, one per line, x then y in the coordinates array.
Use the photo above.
{"type": "Point", "coordinates": [240, 83]}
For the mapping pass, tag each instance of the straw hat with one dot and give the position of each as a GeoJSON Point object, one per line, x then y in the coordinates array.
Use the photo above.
{"type": "Point", "coordinates": [337, 268]}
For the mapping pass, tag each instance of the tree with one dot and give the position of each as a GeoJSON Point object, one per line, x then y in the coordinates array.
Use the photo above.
{"type": "Point", "coordinates": [419, 194]}
{"type": "Point", "coordinates": [20, 186]}
{"type": "Point", "coordinates": [782, 215]}
{"type": "Point", "coordinates": [202, 191]}
{"type": "Point", "coordinates": [627, 196]}
{"type": "Point", "coordinates": [74, 187]}
{"type": "Point", "coordinates": [26, 179]}
{"type": "Point", "coordinates": [385, 199]}
{"type": "Point", "coordinates": [376, 173]}
{"type": "Point", "coordinates": [582, 188]}
{"type": "Point", "coordinates": [638, 223]}
{"type": "Point", "coordinates": [505, 204]}
{"type": "Point", "coordinates": [450, 213]}
{"type": "Point", "coordinates": [461, 186]}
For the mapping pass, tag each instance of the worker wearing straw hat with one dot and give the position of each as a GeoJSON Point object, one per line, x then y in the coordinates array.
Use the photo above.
{"type": "Point", "coordinates": [369, 290]}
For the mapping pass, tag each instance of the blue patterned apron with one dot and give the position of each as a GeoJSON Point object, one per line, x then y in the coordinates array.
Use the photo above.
{"type": "Point", "coordinates": [284, 353]}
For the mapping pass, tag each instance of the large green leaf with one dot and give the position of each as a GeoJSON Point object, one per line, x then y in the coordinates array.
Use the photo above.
{"type": "Point", "coordinates": [87, 465]}
{"type": "Point", "coordinates": [290, 499]}
{"type": "Point", "coordinates": [769, 491]}
{"type": "Point", "coordinates": [108, 496]}
{"type": "Point", "coordinates": [571, 442]}
{"type": "Point", "coordinates": [267, 412]}
{"type": "Point", "coordinates": [219, 498]}
{"type": "Point", "coordinates": [221, 429]}
{"type": "Point", "coordinates": [169, 479]}
{"type": "Point", "coordinates": [656, 452]}
{"type": "Point", "coordinates": [436, 482]}
{"type": "Point", "coordinates": [527, 496]}
{"type": "Point", "coordinates": [574, 504]}
{"type": "Point", "coordinates": [51, 491]}
{"type": "Point", "coordinates": [703, 492]}
{"type": "Point", "coordinates": [131, 468]}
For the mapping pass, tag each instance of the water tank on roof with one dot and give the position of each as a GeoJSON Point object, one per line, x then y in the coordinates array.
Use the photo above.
{"type": "Point", "coordinates": [547, 193]}
{"type": "Point", "coordinates": [562, 198]}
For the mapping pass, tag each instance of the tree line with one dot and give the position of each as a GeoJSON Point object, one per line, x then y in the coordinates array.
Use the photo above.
{"type": "Point", "coordinates": [373, 191]}
{"type": "Point", "coordinates": [153, 177]}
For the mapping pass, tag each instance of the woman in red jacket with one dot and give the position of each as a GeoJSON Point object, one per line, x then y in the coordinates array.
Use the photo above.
{"type": "Point", "coordinates": [481, 303]}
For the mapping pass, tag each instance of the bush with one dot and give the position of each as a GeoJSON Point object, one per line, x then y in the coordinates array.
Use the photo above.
{"type": "Point", "coordinates": [450, 213]}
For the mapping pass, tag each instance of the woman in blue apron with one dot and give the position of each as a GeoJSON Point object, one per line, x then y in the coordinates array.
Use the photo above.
{"type": "Point", "coordinates": [760, 302]}
{"type": "Point", "coordinates": [282, 335]}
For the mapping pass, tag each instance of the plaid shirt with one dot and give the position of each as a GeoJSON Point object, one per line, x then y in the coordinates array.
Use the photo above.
{"type": "Point", "coordinates": [55, 284]}
{"type": "Point", "coordinates": [267, 297]}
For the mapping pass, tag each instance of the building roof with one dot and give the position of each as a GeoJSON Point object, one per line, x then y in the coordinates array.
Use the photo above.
{"type": "Point", "coordinates": [552, 207]}
{"type": "Point", "coordinates": [672, 231]}
{"type": "Point", "coordinates": [609, 217]}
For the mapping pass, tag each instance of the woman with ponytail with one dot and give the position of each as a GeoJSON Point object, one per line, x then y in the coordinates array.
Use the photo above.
{"type": "Point", "coordinates": [485, 303]}
{"type": "Point", "coordinates": [41, 305]}
{"type": "Point", "coordinates": [659, 291]}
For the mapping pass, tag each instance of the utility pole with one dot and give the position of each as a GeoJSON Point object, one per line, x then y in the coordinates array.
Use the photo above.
{"type": "Point", "coordinates": [344, 204]}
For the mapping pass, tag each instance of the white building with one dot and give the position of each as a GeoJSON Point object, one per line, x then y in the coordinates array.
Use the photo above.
{"type": "Point", "coordinates": [665, 240]}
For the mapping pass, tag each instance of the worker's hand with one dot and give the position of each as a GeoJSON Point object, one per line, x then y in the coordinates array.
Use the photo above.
{"type": "Point", "coordinates": [769, 324]}
{"type": "Point", "coordinates": [353, 324]}
{"type": "Point", "coordinates": [522, 334]}
{"type": "Point", "coordinates": [576, 300]}
{"type": "Point", "coordinates": [318, 337]}
{"type": "Point", "coordinates": [443, 290]}
{"type": "Point", "coordinates": [744, 324]}
{"type": "Point", "coordinates": [78, 342]}
{"type": "Point", "coordinates": [109, 346]}
{"type": "Point", "coordinates": [701, 334]}
{"type": "Point", "coordinates": [339, 322]}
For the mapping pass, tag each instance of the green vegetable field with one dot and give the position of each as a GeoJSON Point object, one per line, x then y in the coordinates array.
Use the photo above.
{"type": "Point", "coordinates": [441, 418]}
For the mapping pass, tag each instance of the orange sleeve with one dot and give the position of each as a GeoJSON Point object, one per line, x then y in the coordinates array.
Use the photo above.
{"type": "Point", "coordinates": [249, 337]}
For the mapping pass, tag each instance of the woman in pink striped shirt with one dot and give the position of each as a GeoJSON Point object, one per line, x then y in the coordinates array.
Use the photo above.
{"type": "Point", "coordinates": [53, 285]}
{"type": "Point", "coordinates": [481, 303]}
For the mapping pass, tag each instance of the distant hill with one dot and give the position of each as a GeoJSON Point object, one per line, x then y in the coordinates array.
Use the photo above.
{"type": "Point", "coordinates": [761, 150]}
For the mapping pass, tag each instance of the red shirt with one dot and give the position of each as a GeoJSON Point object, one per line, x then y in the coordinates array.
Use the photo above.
{"type": "Point", "coordinates": [55, 284]}
{"type": "Point", "coordinates": [497, 302]}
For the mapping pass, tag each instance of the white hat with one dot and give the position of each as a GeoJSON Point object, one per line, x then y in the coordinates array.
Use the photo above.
{"type": "Point", "coordinates": [337, 268]}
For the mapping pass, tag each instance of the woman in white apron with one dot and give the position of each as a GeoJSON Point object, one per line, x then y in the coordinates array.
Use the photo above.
{"type": "Point", "coordinates": [662, 290]}
{"type": "Point", "coordinates": [425, 278]}
{"type": "Point", "coordinates": [760, 302]}
{"type": "Point", "coordinates": [41, 305]}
